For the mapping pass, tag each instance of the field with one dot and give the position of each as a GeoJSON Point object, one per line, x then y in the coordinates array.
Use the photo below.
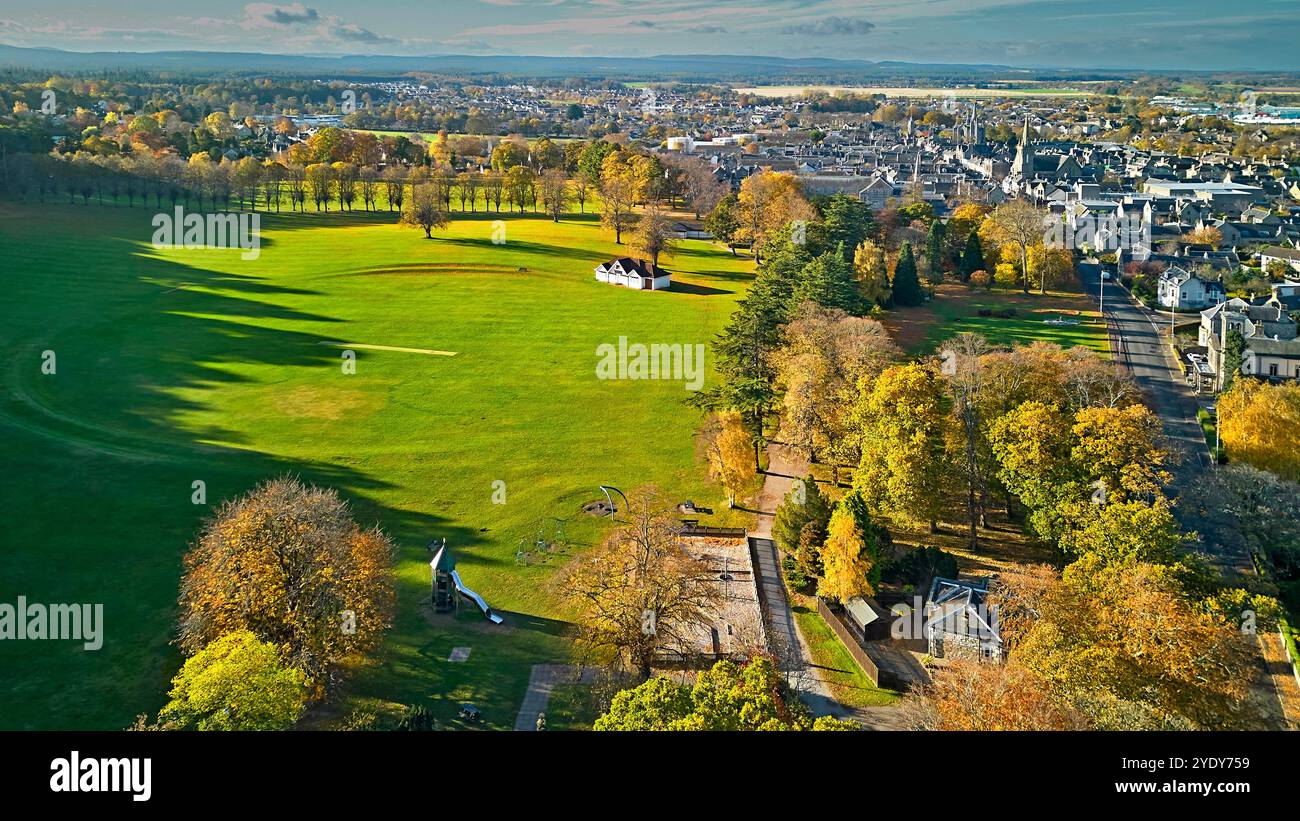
{"type": "Point", "coordinates": [413, 136]}
{"type": "Point", "coordinates": [909, 91]}
{"type": "Point", "coordinates": [956, 309]}
{"type": "Point", "coordinates": [176, 366]}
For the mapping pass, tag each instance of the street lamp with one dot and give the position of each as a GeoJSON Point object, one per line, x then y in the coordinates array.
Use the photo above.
{"type": "Point", "coordinates": [1101, 302]}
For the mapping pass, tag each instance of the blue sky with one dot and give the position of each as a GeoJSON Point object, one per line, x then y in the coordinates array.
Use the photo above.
{"type": "Point", "coordinates": [1189, 34]}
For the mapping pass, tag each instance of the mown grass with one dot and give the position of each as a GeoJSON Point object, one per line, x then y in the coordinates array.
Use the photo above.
{"type": "Point", "coordinates": [572, 707]}
{"type": "Point", "coordinates": [177, 366]}
{"type": "Point", "coordinates": [1209, 429]}
{"type": "Point", "coordinates": [956, 309]}
{"type": "Point", "coordinates": [847, 681]}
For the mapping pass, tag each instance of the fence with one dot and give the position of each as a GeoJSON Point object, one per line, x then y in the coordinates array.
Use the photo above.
{"type": "Point", "coordinates": [849, 641]}
{"type": "Point", "coordinates": [689, 529]}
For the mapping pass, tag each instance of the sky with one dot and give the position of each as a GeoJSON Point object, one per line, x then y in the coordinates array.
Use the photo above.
{"type": "Point", "coordinates": [1169, 34]}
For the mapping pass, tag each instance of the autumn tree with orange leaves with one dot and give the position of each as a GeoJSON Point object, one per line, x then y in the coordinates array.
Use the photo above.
{"type": "Point", "coordinates": [287, 562]}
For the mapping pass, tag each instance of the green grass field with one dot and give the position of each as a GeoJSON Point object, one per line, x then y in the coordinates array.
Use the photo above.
{"type": "Point", "coordinates": [182, 365]}
{"type": "Point", "coordinates": [956, 309]}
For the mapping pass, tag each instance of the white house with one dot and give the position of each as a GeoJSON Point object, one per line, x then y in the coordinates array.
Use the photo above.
{"type": "Point", "coordinates": [1278, 253]}
{"type": "Point", "coordinates": [1270, 349]}
{"type": "Point", "coordinates": [1178, 288]}
{"type": "Point", "coordinates": [959, 621]}
{"type": "Point", "coordinates": [639, 274]}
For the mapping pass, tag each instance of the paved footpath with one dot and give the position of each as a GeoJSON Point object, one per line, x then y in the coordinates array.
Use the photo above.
{"type": "Point", "coordinates": [541, 683]}
{"type": "Point", "coordinates": [788, 643]}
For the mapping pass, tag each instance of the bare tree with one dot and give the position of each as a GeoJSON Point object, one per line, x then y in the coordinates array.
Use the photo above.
{"type": "Point", "coordinates": [618, 191]}
{"type": "Point", "coordinates": [699, 186]}
{"type": "Point", "coordinates": [468, 184]}
{"type": "Point", "coordinates": [1092, 382]}
{"type": "Point", "coordinates": [581, 191]}
{"type": "Point", "coordinates": [395, 186]}
{"type": "Point", "coordinates": [964, 371]}
{"type": "Point", "coordinates": [555, 192]}
{"type": "Point", "coordinates": [424, 210]}
{"type": "Point", "coordinates": [640, 593]}
{"type": "Point", "coordinates": [653, 237]}
{"type": "Point", "coordinates": [369, 186]}
{"type": "Point", "coordinates": [493, 188]}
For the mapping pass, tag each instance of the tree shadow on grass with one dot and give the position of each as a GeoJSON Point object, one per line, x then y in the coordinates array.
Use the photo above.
{"type": "Point", "coordinates": [680, 287]}
{"type": "Point", "coordinates": [537, 624]}
{"type": "Point", "coordinates": [109, 460]}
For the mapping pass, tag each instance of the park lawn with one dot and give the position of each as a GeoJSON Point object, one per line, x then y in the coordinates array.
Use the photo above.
{"type": "Point", "coordinates": [572, 707]}
{"type": "Point", "coordinates": [177, 366]}
{"type": "Point", "coordinates": [955, 309]}
{"type": "Point", "coordinates": [847, 681]}
{"type": "Point", "coordinates": [431, 137]}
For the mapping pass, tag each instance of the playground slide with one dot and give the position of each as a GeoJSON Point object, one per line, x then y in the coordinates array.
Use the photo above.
{"type": "Point", "coordinates": [474, 597]}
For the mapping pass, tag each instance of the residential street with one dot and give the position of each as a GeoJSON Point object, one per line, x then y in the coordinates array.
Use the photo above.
{"type": "Point", "coordinates": [1141, 344]}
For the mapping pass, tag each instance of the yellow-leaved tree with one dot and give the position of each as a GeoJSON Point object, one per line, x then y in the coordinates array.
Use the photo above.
{"type": "Point", "coordinates": [1120, 447]}
{"type": "Point", "coordinates": [1258, 424]}
{"type": "Point", "coordinates": [849, 555]}
{"type": "Point", "coordinates": [872, 273]}
{"type": "Point", "coordinates": [1130, 632]}
{"type": "Point", "coordinates": [767, 201]}
{"type": "Point", "coordinates": [1051, 267]}
{"type": "Point", "coordinates": [287, 562]}
{"type": "Point", "coordinates": [901, 419]}
{"type": "Point", "coordinates": [235, 683]}
{"type": "Point", "coordinates": [729, 448]}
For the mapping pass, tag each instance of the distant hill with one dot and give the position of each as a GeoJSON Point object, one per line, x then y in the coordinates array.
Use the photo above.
{"type": "Point", "coordinates": [675, 66]}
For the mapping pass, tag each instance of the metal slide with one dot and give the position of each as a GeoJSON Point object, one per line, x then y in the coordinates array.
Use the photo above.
{"type": "Point", "coordinates": [474, 597]}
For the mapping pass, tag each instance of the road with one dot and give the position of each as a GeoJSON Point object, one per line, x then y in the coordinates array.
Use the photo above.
{"type": "Point", "coordinates": [1142, 345]}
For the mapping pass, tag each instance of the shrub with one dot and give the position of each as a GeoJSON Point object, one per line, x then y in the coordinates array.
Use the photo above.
{"type": "Point", "coordinates": [235, 683]}
{"type": "Point", "coordinates": [916, 567]}
{"type": "Point", "coordinates": [794, 575]}
{"type": "Point", "coordinates": [414, 719]}
{"type": "Point", "coordinates": [803, 504]}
